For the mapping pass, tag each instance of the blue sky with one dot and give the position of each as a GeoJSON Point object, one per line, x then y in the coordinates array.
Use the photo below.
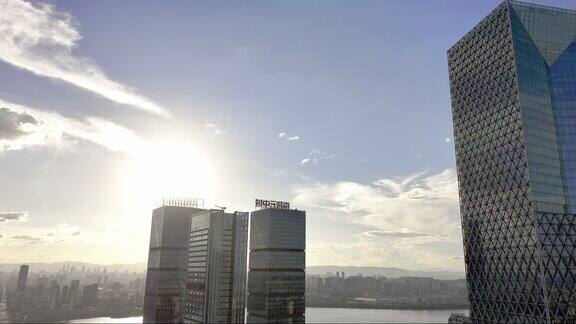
{"type": "Point", "coordinates": [340, 107]}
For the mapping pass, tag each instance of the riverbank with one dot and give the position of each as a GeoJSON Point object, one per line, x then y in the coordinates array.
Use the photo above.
{"type": "Point", "coordinates": [389, 307]}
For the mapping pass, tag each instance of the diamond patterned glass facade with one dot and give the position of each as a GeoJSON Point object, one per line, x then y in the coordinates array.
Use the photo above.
{"type": "Point", "coordinates": [513, 91]}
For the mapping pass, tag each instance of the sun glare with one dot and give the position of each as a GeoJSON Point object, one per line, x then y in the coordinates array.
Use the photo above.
{"type": "Point", "coordinates": [168, 169]}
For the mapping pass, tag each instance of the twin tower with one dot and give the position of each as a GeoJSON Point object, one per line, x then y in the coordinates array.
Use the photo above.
{"type": "Point", "coordinates": [197, 265]}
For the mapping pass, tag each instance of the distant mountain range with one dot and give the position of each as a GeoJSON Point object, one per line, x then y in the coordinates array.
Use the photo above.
{"type": "Point", "coordinates": [384, 271]}
{"type": "Point", "coordinates": [313, 270]}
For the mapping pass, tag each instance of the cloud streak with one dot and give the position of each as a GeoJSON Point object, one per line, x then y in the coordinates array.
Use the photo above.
{"type": "Point", "coordinates": [13, 216]}
{"type": "Point", "coordinates": [52, 129]}
{"type": "Point", "coordinates": [215, 130]}
{"type": "Point", "coordinates": [38, 38]}
{"type": "Point", "coordinates": [25, 237]}
{"type": "Point", "coordinates": [316, 156]}
{"type": "Point", "coordinates": [288, 138]}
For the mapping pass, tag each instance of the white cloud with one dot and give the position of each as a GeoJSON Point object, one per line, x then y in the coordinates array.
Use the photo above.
{"type": "Point", "coordinates": [316, 156]}
{"type": "Point", "coordinates": [389, 234]}
{"type": "Point", "coordinates": [415, 219]}
{"type": "Point", "coordinates": [215, 130]}
{"type": "Point", "coordinates": [62, 233]}
{"type": "Point", "coordinates": [63, 229]}
{"type": "Point", "coordinates": [21, 216]}
{"type": "Point", "coordinates": [52, 129]}
{"type": "Point", "coordinates": [38, 38]}
{"type": "Point", "coordinates": [288, 138]}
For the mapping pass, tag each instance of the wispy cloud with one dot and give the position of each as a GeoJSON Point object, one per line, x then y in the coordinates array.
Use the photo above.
{"type": "Point", "coordinates": [288, 138]}
{"type": "Point", "coordinates": [66, 229]}
{"type": "Point", "coordinates": [39, 38]}
{"type": "Point", "coordinates": [50, 128]}
{"type": "Point", "coordinates": [62, 233]}
{"type": "Point", "coordinates": [21, 216]}
{"type": "Point", "coordinates": [25, 237]}
{"type": "Point", "coordinates": [215, 130]}
{"type": "Point", "coordinates": [390, 234]}
{"type": "Point", "coordinates": [414, 219]}
{"type": "Point", "coordinates": [316, 156]}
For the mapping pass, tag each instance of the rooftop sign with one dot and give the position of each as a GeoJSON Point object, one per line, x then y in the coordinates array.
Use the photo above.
{"type": "Point", "coordinates": [260, 203]}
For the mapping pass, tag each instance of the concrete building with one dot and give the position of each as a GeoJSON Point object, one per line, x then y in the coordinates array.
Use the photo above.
{"type": "Point", "coordinates": [216, 283]}
{"type": "Point", "coordinates": [276, 281]}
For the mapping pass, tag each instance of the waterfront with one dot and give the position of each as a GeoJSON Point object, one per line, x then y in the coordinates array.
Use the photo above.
{"type": "Point", "coordinates": [338, 315]}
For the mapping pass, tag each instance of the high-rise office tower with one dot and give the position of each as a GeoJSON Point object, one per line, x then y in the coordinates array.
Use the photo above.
{"type": "Point", "coordinates": [73, 294]}
{"type": "Point", "coordinates": [513, 89]}
{"type": "Point", "coordinates": [64, 297]}
{"type": "Point", "coordinates": [216, 284]}
{"type": "Point", "coordinates": [54, 295]}
{"type": "Point", "coordinates": [22, 277]}
{"type": "Point", "coordinates": [167, 261]}
{"type": "Point", "coordinates": [276, 281]}
{"type": "Point", "coordinates": [90, 295]}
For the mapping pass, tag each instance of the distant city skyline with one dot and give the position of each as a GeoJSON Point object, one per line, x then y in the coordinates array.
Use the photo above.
{"type": "Point", "coordinates": [345, 114]}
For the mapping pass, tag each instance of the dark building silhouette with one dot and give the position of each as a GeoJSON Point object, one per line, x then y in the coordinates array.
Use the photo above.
{"type": "Point", "coordinates": [276, 281]}
{"type": "Point", "coordinates": [54, 296]}
{"type": "Point", "coordinates": [64, 297]}
{"type": "Point", "coordinates": [167, 262]}
{"type": "Point", "coordinates": [90, 295]}
{"type": "Point", "coordinates": [216, 284]}
{"type": "Point", "coordinates": [22, 277]}
{"type": "Point", "coordinates": [513, 91]}
{"type": "Point", "coordinates": [73, 294]}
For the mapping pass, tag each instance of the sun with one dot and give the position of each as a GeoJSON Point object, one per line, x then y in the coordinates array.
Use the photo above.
{"type": "Point", "coordinates": [167, 169]}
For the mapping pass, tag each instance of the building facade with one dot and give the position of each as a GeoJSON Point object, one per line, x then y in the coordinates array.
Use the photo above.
{"type": "Point", "coordinates": [90, 295]}
{"type": "Point", "coordinates": [54, 295]}
{"type": "Point", "coordinates": [513, 92]}
{"type": "Point", "coordinates": [73, 292]}
{"type": "Point", "coordinates": [167, 263]}
{"type": "Point", "coordinates": [22, 277]}
{"type": "Point", "coordinates": [216, 283]}
{"type": "Point", "coordinates": [276, 281]}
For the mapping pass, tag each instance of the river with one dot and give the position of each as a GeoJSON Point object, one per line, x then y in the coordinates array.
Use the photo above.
{"type": "Point", "coordinates": [338, 315]}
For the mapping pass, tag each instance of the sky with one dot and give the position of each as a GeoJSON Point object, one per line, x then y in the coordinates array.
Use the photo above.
{"type": "Point", "coordinates": [341, 108]}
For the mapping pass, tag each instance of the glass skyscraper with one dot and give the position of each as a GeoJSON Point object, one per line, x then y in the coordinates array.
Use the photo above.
{"type": "Point", "coordinates": [513, 91]}
{"type": "Point", "coordinates": [167, 263]}
{"type": "Point", "coordinates": [216, 283]}
{"type": "Point", "coordinates": [276, 281]}
{"type": "Point", "coordinates": [22, 277]}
